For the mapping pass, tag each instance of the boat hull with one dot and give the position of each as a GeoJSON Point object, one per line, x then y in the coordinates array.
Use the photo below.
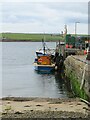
{"type": "Point", "coordinates": [44, 68]}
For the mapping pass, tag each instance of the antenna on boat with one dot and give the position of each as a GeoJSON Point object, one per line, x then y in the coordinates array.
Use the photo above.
{"type": "Point", "coordinates": [43, 41]}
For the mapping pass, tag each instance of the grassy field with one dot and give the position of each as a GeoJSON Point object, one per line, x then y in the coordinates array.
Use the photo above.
{"type": "Point", "coordinates": [31, 37]}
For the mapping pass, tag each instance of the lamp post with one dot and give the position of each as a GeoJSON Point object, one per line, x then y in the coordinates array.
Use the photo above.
{"type": "Point", "coordinates": [76, 27]}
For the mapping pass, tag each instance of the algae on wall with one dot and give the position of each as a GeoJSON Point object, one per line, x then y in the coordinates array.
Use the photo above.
{"type": "Point", "coordinates": [74, 71]}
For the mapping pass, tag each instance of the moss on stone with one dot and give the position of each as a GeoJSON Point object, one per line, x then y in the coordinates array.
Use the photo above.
{"type": "Point", "coordinates": [76, 85]}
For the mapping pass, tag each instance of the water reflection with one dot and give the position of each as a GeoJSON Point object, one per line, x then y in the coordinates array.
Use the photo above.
{"type": "Point", "coordinates": [20, 79]}
{"type": "Point", "coordinates": [55, 84]}
{"type": "Point", "coordinates": [60, 81]}
{"type": "Point", "coordinates": [63, 84]}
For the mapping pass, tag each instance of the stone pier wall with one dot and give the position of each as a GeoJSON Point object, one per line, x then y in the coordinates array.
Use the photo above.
{"type": "Point", "coordinates": [79, 74]}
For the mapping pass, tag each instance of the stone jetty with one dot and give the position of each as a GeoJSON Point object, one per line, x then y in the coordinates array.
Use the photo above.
{"type": "Point", "coordinates": [77, 69]}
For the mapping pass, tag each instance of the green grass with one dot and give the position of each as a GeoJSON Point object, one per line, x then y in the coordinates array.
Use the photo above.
{"type": "Point", "coordinates": [0, 35]}
{"type": "Point", "coordinates": [31, 37]}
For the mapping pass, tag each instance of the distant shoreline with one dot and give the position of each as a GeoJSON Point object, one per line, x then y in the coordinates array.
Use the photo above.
{"type": "Point", "coordinates": [11, 40]}
{"type": "Point", "coordinates": [20, 37]}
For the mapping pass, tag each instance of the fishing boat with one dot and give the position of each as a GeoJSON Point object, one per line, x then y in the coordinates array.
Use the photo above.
{"type": "Point", "coordinates": [44, 60]}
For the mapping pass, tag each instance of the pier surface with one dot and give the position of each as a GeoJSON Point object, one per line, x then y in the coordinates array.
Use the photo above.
{"type": "Point", "coordinates": [82, 58]}
{"type": "Point", "coordinates": [43, 108]}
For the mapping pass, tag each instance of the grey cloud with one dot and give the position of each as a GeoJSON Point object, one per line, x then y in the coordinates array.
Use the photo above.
{"type": "Point", "coordinates": [50, 15]}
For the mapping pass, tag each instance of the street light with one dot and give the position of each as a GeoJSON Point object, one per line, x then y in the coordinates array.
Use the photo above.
{"type": "Point", "coordinates": [76, 27]}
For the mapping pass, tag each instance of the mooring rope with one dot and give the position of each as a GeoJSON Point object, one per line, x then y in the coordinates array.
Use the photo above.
{"type": "Point", "coordinates": [82, 82]}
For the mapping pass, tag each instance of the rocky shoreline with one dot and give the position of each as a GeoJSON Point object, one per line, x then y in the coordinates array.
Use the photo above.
{"type": "Point", "coordinates": [43, 108]}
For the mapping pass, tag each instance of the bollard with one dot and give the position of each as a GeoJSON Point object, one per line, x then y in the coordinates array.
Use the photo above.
{"type": "Point", "coordinates": [88, 54]}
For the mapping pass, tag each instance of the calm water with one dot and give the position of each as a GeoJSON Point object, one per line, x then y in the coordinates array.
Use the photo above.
{"type": "Point", "coordinates": [19, 77]}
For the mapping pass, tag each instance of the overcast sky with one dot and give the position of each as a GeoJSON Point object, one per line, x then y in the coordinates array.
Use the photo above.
{"type": "Point", "coordinates": [43, 17]}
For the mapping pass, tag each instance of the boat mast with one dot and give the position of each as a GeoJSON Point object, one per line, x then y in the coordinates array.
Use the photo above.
{"type": "Point", "coordinates": [43, 41]}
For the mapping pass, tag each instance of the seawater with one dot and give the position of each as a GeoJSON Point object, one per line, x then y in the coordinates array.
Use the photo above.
{"type": "Point", "coordinates": [19, 78]}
